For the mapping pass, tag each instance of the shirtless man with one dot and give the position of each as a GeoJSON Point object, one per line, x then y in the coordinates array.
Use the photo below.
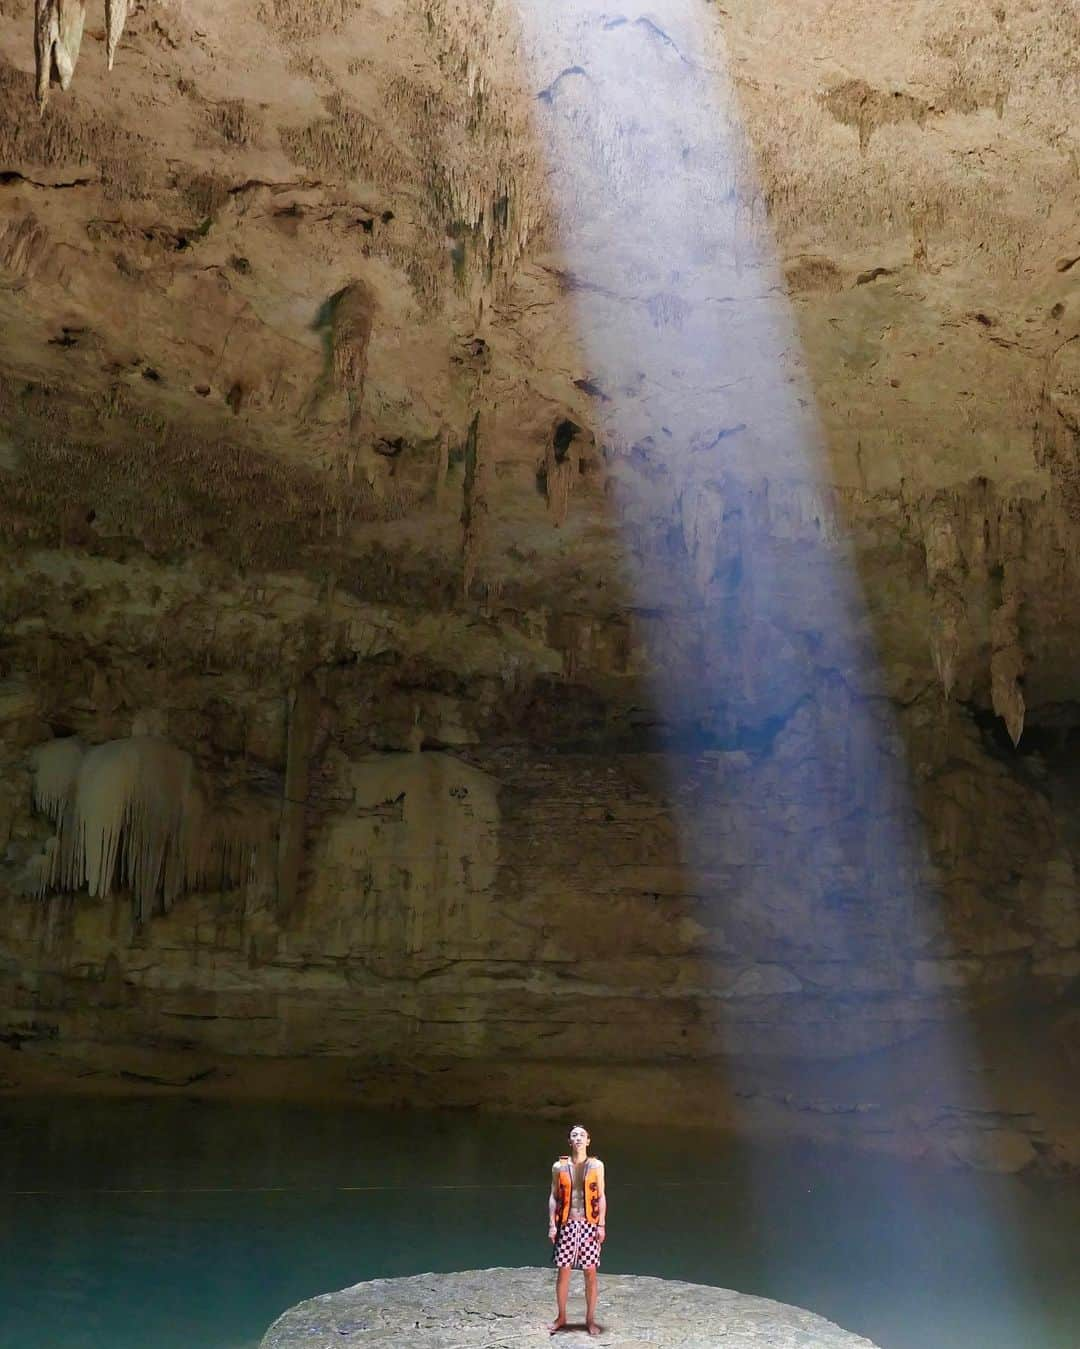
{"type": "Point", "coordinates": [577, 1213]}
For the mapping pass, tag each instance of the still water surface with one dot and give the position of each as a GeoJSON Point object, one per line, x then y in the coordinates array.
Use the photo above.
{"type": "Point", "coordinates": [175, 1225]}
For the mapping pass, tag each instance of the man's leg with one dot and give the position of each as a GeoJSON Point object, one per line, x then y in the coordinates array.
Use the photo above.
{"type": "Point", "coordinates": [562, 1287]}
{"type": "Point", "coordinates": [592, 1289]}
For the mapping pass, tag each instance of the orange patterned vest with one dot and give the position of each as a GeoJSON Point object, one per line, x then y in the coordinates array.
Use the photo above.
{"type": "Point", "coordinates": [565, 1189]}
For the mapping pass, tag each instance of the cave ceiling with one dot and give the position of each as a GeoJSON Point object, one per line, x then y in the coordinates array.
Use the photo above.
{"type": "Point", "coordinates": [291, 317]}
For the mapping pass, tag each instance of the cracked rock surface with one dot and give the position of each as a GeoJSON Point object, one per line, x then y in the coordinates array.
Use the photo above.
{"type": "Point", "coordinates": [509, 1307]}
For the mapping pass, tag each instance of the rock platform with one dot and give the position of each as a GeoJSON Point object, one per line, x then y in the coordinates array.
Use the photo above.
{"type": "Point", "coordinates": [511, 1308]}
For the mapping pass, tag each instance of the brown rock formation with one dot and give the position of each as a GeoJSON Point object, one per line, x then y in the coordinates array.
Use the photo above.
{"type": "Point", "coordinates": [604, 485]}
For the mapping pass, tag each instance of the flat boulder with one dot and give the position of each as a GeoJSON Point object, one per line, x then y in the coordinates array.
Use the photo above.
{"type": "Point", "coordinates": [511, 1308]}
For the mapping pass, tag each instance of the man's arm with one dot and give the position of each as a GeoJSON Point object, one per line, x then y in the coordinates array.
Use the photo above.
{"type": "Point", "coordinates": [553, 1201]}
{"type": "Point", "coordinates": [603, 1204]}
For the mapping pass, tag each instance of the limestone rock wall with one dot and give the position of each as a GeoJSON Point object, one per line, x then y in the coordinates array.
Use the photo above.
{"type": "Point", "coordinates": [509, 858]}
{"type": "Point", "coordinates": [512, 909]}
{"type": "Point", "coordinates": [628, 561]}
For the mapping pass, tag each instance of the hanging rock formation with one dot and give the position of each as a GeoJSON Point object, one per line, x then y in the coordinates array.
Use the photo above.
{"type": "Point", "coordinates": [116, 12]}
{"type": "Point", "coordinates": [58, 34]}
{"type": "Point", "coordinates": [133, 814]}
{"type": "Point", "coordinates": [1007, 664]}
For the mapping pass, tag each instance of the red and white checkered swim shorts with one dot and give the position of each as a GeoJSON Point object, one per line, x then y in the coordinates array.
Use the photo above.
{"type": "Point", "coordinates": [577, 1246]}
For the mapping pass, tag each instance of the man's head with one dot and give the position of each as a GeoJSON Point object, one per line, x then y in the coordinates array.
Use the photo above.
{"type": "Point", "coordinates": [579, 1137]}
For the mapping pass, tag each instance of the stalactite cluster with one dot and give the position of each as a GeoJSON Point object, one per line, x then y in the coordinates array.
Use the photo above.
{"type": "Point", "coordinates": [58, 33]}
{"type": "Point", "coordinates": [135, 813]}
{"type": "Point", "coordinates": [973, 552]}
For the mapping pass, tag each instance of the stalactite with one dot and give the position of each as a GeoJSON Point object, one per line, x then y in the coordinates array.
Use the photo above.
{"type": "Point", "coordinates": [116, 12]}
{"type": "Point", "coordinates": [58, 30]}
{"type": "Point", "coordinates": [486, 172]}
{"type": "Point", "coordinates": [562, 464]}
{"type": "Point", "coordinates": [1007, 663]}
{"type": "Point", "coordinates": [45, 29]}
{"type": "Point", "coordinates": [70, 21]}
{"type": "Point", "coordinates": [946, 623]}
{"type": "Point", "coordinates": [136, 813]}
{"type": "Point", "coordinates": [945, 573]}
{"type": "Point", "coordinates": [303, 723]}
{"type": "Point", "coordinates": [56, 769]}
{"type": "Point", "coordinates": [350, 333]}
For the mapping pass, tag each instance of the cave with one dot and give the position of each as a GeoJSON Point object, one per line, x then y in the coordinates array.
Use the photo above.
{"type": "Point", "coordinates": [539, 552]}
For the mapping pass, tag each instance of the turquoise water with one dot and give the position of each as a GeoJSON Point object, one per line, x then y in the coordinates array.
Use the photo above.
{"type": "Point", "coordinates": [174, 1225]}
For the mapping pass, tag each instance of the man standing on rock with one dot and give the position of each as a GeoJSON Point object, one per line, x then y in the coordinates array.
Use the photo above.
{"type": "Point", "coordinates": [577, 1210]}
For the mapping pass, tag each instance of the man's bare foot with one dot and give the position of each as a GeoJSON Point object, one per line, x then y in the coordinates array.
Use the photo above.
{"type": "Point", "coordinates": [595, 1329]}
{"type": "Point", "coordinates": [558, 1324]}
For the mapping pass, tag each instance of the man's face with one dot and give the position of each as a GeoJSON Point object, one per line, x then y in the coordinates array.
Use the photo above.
{"type": "Point", "coordinates": [579, 1137]}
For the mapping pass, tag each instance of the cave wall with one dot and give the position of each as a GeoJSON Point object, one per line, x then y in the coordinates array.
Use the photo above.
{"type": "Point", "coordinates": [515, 855]}
{"type": "Point", "coordinates": [512, 903]}
{"type": "Point", "coordinates": [628, 679]}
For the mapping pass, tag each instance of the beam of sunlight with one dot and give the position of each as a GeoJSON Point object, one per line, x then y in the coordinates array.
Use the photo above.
{"type": "Point", "coordinates": [786, 767]}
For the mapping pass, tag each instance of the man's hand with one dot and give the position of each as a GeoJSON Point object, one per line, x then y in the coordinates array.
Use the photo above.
{"type": "Point", "coordinates": [551, 1232]}
{"type": "Point", "coordinates": [601, 1233]}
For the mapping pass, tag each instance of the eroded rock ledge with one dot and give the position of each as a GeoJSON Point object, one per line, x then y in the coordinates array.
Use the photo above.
{"type": "Point", "coordinates": [497, 1307]}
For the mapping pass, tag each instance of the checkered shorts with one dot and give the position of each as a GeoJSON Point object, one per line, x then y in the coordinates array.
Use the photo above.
{"type": "Point", "coordinates": [577, 1246]}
